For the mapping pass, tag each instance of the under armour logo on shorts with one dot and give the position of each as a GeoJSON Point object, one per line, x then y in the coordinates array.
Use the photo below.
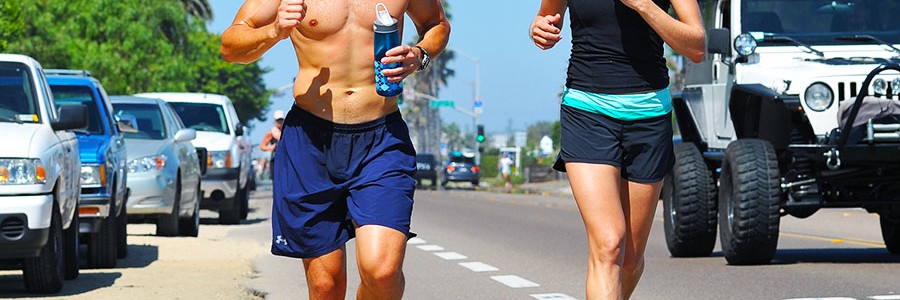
{"type": "Point", "coordinates": [279, 240]}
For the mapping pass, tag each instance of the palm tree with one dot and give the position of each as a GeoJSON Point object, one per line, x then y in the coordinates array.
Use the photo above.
{"type": "Point", "coordinates": [198, 8]}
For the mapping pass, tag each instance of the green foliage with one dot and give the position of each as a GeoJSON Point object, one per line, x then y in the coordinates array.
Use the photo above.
{"type": "Point", "coordinates": [489, 165]}
{"type": "Point", "coordinates": [132, 46]}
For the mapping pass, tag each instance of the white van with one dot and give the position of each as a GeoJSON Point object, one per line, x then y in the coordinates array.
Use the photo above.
{"type": "Point", "coordinates": [224, 186]}
{"type": "Point", "coordinates": [39, 177]}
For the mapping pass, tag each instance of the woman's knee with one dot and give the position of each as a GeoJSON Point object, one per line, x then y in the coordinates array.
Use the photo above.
{"type": "Point", "coordinates": [607, 248]}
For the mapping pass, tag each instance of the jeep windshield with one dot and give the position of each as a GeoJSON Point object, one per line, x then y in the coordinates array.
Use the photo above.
{"type": "Point", "coordinates": [18, 100]}
{"type": "Point", "coordinates": [822, 22]}
{"type": "Point", "coordinates": [79, 95]}
{"type": "Point", "coordinates": [201, 116]}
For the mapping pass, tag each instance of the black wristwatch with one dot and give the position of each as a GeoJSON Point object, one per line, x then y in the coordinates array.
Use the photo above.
{"type": "Point", "coordinates": [425, 59]}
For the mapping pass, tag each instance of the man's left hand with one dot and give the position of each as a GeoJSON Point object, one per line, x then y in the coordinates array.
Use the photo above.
{"type": "Point", "coordinates": [409, 59]}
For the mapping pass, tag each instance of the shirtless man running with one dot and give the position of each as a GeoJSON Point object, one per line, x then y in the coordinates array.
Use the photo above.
{"type": "Point", "coordinates": [345, 162]}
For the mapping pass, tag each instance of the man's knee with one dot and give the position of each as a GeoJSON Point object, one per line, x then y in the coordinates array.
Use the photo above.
{"type": "Point", "coordinates": [325, 287]}
{"type": "Point", "coordinates": [380, 274]}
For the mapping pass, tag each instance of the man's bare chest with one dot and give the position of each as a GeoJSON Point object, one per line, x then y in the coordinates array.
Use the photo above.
{"type": "Point", "coordinates": [325, 18]}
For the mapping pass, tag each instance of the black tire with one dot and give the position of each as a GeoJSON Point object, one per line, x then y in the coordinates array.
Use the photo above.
{"type": "Point", "coordinates": [232, 215]}
{"type": "Point", "coordinates": [44, 274]}
{"type": "Point", "coordinates": [167, 225]}
{"type": "Point", "coordinates": [749, 202]}
{"type": "Point", "coordinates": [102, 245]}
{"type": "Point", "coordinates": [71, 242]}
{"type": "Point", "coordinates": [890, 231]}
{"type": "Point", "coordinates": [245, 202]}
{"type": "Point", "coordinates": [434, 183]}
{"type": "Point", "coordinates": [689, 205]}
{"type": "Point", "coordinates": [122, 238]}
{"type": "Point", "coordinates": [191, 226]}
{"type": "Point", "coordinates": [475, 183]}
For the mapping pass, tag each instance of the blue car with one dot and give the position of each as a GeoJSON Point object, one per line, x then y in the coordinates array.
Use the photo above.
{"type": "Point", "coordinates": [103, 166]}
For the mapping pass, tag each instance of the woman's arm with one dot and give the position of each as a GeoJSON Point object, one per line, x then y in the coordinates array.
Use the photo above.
{"type": "Point", "coordinates": [685, 35]}
{"type": "Point", "coordinates": [548, 24]}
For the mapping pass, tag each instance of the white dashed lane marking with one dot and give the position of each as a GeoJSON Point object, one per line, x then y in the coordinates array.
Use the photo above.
{"type": "Point", "coordinates": [415, 241]}
{"type": "Point", "coordinates": [556, 296]}
{"type": "Point", "coordinates": [823, 298]}
{"type": "Point", "coordinates": [478, 266]}
{"type": "Point", "coordinates": [514, 281]}
{"type": "Point", "coordinates": [450, 255]}
{"type": "Point", "coordinates": [886, 297]}
{"type": "Point", "coordinates": [431, 248]}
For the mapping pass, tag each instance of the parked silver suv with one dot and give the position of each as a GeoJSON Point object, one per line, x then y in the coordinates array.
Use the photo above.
{"type": "Point", "coordinates": [39, 177]}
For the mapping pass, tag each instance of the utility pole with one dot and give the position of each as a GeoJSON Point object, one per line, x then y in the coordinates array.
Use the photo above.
{"type": "Point", "coordinates": [476, 101]}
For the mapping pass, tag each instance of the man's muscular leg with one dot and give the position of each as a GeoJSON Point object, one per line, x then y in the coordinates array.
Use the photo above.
{"type": "Point", "coordinates": [380, 251]}
{"type": "Point", "coordinates": [326, 275]}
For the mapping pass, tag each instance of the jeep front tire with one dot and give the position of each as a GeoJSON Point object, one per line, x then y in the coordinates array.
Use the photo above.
{"type": "Point", "coordinates": [749, 202]}
{"type": "Point", "coordinates": [890, 231]}
{"type": "Point", "coordinates": [689, 205]}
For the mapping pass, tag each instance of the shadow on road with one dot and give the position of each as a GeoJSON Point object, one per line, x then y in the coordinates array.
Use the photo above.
{"type": "Point", "coordinates": [12, 286]}
{"type": "Point", "coordinates": [215, 221]}
{"type": "Point", "coordinates": [831, 256]}
{"type": "Point", "coordinates": [139, 256]}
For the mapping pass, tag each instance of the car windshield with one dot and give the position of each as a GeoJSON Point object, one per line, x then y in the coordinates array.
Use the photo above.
{"type": "Point", "coordinates": [17, 94]}
{"type": "Point", "coordinates": [79, 95]}
{"type": "Point", "coordinates": [150, 124]}
{"type": "Point", "coordinates": [201, 116]}
{"type": "Point", "coordinates": [823, 22]}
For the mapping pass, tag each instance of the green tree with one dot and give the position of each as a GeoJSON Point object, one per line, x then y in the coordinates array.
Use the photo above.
{"type": "Point", "coordinates": [198, 8]}
{"type": "Point", "coordinates": [132, 46]}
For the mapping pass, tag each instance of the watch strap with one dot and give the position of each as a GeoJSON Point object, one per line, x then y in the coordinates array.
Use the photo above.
{"type": "Point", "coordinates": [425, 58]}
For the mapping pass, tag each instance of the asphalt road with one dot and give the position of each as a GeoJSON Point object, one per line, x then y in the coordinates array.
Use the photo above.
{"type": "Point", "coordinates": [481, 245]}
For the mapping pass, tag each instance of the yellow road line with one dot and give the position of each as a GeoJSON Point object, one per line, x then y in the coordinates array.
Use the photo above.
{"type": "Point", "coordinates": [833, 240]}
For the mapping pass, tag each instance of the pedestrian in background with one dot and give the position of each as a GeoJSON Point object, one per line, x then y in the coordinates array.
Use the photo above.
{"type": "Point", "coordinates": [615, 117]}
{"type": "Point", "coordinates": [270, 142]}
{"type": "Point", "coordinates": [506, 171]}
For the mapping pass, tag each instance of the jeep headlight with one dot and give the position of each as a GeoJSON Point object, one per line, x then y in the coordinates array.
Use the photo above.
{"type": "Point", "coordinates": [745, 44]}
{"type": "Point", "coordinates": [21, 171]}
{"type": "Point", "coordinates": [879, 86]}
{"type": "Point", "coordinates": [895, 86]}
{"type": "Point", "coordinates": [92, 175]}
{"type": "Point", "coordinates": [219, 159]}
{"type": "Point", "coordinates": [145, 164]}
{"type": "Point", "coordinates": [818, 97]}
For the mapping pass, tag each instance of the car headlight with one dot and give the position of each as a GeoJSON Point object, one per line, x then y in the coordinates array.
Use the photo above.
{"type": "Point", "coordinates": [819, 97]}
{"type": "Point", "coordinates": [219, 159]}
{"type": "Point", "coordinates": [21, 171]}
{"type": "Point", "coordinates": [92, 175]}
{"type": "Point", "coordinates": [745, 44]}
{"type": "Point", "coordinates": [145, 164]}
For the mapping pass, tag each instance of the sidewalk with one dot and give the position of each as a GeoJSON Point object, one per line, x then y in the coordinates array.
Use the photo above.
{"type": "Point", "coordinates": [547, 188]}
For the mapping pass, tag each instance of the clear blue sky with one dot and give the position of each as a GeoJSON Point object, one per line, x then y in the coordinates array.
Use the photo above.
{"type": "Point", "coordinates": [519, 82]}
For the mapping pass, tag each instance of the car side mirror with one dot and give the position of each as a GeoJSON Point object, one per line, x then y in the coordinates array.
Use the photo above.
{"type": "Point", "coordinates": [70, 117]}
{"type": "Point", "coordinates": [719, 41]}
{"type": "Point", "coordinates": [185, 135]}
{"type": "Point", "coordinates": [127, 123]}
{"type": "Point", "coordinates": [202, 157]}
{"type": "Point", "coordinates": [239, 129]}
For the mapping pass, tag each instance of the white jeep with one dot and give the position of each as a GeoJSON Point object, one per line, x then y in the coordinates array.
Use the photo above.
{"type": "Point", "coordinates": [761, 116]}
{"type": "Point", "coordinates": [39, 177]}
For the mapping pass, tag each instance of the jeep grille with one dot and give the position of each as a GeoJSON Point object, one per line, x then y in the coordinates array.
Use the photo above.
{"type": "Point", "coordinates": [849, 90]}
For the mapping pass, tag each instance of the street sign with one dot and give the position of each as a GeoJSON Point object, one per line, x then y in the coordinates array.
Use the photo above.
{"type": "Point", "coordinates": [478, 103]}
{"type": "Point", "coordinates": [441, 103]}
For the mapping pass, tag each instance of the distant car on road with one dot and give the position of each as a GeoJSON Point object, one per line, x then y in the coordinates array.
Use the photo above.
{"type": "Point", "coordinates": [103, 174]}
{"type": "Point", "coordinates": [461, 167]}
{"type": "Point", "coordinates": [226, 185]}
{"type": "Point", "coordinates": [39, 177]}
{"type": "Point", "coordinates": [426, 168]}
{"type": "Point", "coordinates": [163, 169]}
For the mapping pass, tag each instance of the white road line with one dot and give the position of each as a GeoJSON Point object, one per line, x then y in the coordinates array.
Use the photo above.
{"type": "Point", "coordinates": [431, 248]}
{"type": "Point", "coordinates": [555, 296]}
{"type": "Point", "coordinates": [415, 241]}
{"type": "Point", "coordinates": [886, 297]}
{"type": "Point", "coordinates": [478, 266]}
{"type": "Point", "coordinates": [514, 281]}
{"type": "Point", "coordinates": [450, 255]}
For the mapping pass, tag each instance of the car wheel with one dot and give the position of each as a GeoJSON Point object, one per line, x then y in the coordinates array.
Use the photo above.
{"type": "Point", "coordinates": [44, 274]}
{"type": "Point", "coordinates": [245, 202]}
{"type": "Point", "coordinates": [122, 238]}
{"type": "Point", "coordinates": [434, 183]}
{"type": "Point", "coordinates": [71, 243]}
{"type": "Point", "coordinates": [102, 244]}
{"type": "Point", "coordinates": [191, 226]}
{"type": "Point", "coordinates": [232, 215]}
{"type": "Point", "coordinates": [689, 205]}
{"type": "Point", "coordinates": [749, 202]}
{"type": "Point", "coordinates": [890, 231]}
{"type": "Point", "coordinates": [167, 225]}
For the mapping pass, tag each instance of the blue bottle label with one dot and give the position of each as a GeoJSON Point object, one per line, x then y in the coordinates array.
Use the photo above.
{"type": "Point", "coordinates": [382, 85]}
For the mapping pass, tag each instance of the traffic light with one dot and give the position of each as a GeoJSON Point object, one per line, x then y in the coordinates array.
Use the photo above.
{"type": "Point", "coordinates": [480, 136]}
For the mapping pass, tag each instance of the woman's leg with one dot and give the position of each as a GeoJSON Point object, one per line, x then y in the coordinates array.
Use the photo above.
{"type": "Point", "coordinates": [596, 190]}
{"type": "Point", "coordinates": [639, 201]}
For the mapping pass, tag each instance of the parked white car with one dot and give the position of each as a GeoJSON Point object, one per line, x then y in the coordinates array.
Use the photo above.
{"type": "Point", "coordinates": [224, 186]}
{"type": "Point", "coordinates": [39, 177]}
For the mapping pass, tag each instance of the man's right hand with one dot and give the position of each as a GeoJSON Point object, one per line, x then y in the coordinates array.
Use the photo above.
{"type": "Point", "coordinates": [290, 14]}
{"type": "Point", "coordinates": [544, 31]}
